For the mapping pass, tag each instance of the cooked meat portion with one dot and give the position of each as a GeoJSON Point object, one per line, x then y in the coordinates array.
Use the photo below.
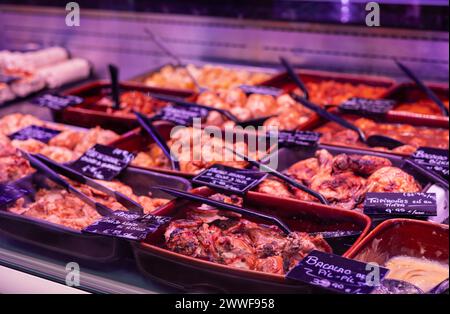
{"type": "Point", "coordinates": [132, 100]}
{"type": "Point", "coordinates": [67, 146]}
{"type": "Point", "coordinates": [195, 150]}
{"type": "Point", "coordinates": [57, 205]}
{"type": "Point", "coordinates": [226, 238]}
{"type": "Point", "coordinates": [343, 179]}
{"type": "Point", "coordinates": [412, 136]}
{"type": "Point", "coordinates": [391, 179]}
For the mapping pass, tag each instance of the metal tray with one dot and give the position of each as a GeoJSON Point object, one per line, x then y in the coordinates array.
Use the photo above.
{"type": "Point", "coordinates": [195, 275]}
{"type": "Point", "coordinates": [71, 242]}
{"type": "Point", "coordinates": [89, 115]}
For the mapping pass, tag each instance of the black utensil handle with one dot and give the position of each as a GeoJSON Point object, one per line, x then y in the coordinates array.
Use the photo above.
{"type": "Point", "coordinates": [115, 88]}
{"type": "Point", "coordinates": [329, 116]}
{"type": "Point", "coordinates": [290, 69]}
{"type": "Point", "coordinates": [150, 129]}
{"type": "Point", "coordinates": [426, 173]}
{"type": "Point", "coordinates": [428, 91]}
{"type": "Point", "coordinates": [225, 206]}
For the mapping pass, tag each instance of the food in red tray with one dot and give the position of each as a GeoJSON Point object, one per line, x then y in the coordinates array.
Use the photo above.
{"type": "Point", "coordinates": [57, 205]}
{"type": "Point", "coordinates": [343, 179]}
{"type": "Point", "coordinates": [331, 92]}
{"type": "Point", "coordinates": [226, 238]}
{"type": "Point", "coordinates": [195, 150]}
{"type": "Point", "coordinates": [423, 106]}
{"type": "Point", "coordinates": [132, 100]}
{"type": "Point", "coordinates": [412, 136]}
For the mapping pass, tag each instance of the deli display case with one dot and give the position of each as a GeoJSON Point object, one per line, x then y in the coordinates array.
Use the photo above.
{"type": "Point", "coordinates": [212, 147]}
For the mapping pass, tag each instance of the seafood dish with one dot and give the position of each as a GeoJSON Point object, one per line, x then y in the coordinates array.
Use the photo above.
{"type": "Point", "coordinates": [343, 179]}
{"type": "Point", "coordinates": [209, 76]}
{"type": "Point", "coordinates": [67, 146]}
{"type": "Point", "coordinates": [57, 205]}
{"type": "Point", "coordinates": [195, 150]}
{"type": "Point", "coordinates": [412, 136]}
{"type": "Point", "coordinates": [226, 238]}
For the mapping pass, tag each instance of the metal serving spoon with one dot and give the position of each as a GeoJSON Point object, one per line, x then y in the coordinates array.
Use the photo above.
{"type": "Point", "coordinates": [178, 61]}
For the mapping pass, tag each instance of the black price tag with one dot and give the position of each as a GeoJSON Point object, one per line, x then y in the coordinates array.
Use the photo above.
{"type": "Point", "coordinates": [401, 204]}
{"type": "Point", "coordinates": [10, 193]}
{"type": "Point", "coordinates": [262, 90]}
{"type": "Point", "coordinates": [433, 159]}
{"type": "Point", "coordinates": [182, 115]}
{"type": "Point", "coordinates": [57, 102]}
{"type": "Point", "coordinates": [127, 225]}
{"type": "Point", "coordinates": [103, 162]}
{"type": "Point", "coordinates": [35, 132]}
{"type": "Point", "coordinates": [229, 179]}
{"type": "Point", "coordinates": [8, 79]}
{"type": "Point", "coordinates": [296, 138]}
{"type": "Point", "coordinates": [337, 273]}
{"type": "Point", "coordinates": [367, 107]}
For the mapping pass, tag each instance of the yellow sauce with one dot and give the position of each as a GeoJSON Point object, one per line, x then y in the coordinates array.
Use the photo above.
{"type": "Point", "coordinates": [423, 273]}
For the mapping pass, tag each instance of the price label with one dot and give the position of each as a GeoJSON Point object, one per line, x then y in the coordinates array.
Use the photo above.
{"type": "Point", "coordinates": [34, 132]}
{"type": "Point", "coordinates": [103, 162]}
{"type": "Point", "coordinates": [367, 107]}
{"type": "Point", "coordinates": [401, 204]}
{"type": "Point", "coordinates": [229, 179]}
{"type": "Point", "coordinates": [57, 102]}
{"type": "Point", "coordinates": [127, 225]}
{"type": "Point", "coordinates": [183, 115]}
{"type": "Point", "coordinates": [337, 273]}
{"type": "Point", "coordinates": [10, 193]}
{"type": "Point", "coordinates": [433, 159]}
{"type": "Point", "coordinates": [296, 138]}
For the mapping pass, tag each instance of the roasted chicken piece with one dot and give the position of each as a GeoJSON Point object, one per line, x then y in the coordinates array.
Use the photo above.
{"type": "Point", "coordinates": [392, 179]}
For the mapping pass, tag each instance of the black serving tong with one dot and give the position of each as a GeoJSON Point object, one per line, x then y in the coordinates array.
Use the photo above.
{"type": "Point", "coordinates": [178, 61]}
{"type": "Point", "coordinates": [281, 176]}
{"type": "Point", "coordinates": [52, 175]}
{"type": "Point", "coordinates": [225, 206]}
{"type": "Point", "coordinates": [115, 88]}
{"type": "Point", "coordinates": [423, 87]}
{"type": "Point", "coordinates": [226, 113]}
{"type": "Point", "coordinates": [376, 140]}
{"type": "Point", "coordinates": [297, 80]}
{"type": "Point", "coordinates": [70, 173]}
{"type": "Point", "coordinates": [147, 125]}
